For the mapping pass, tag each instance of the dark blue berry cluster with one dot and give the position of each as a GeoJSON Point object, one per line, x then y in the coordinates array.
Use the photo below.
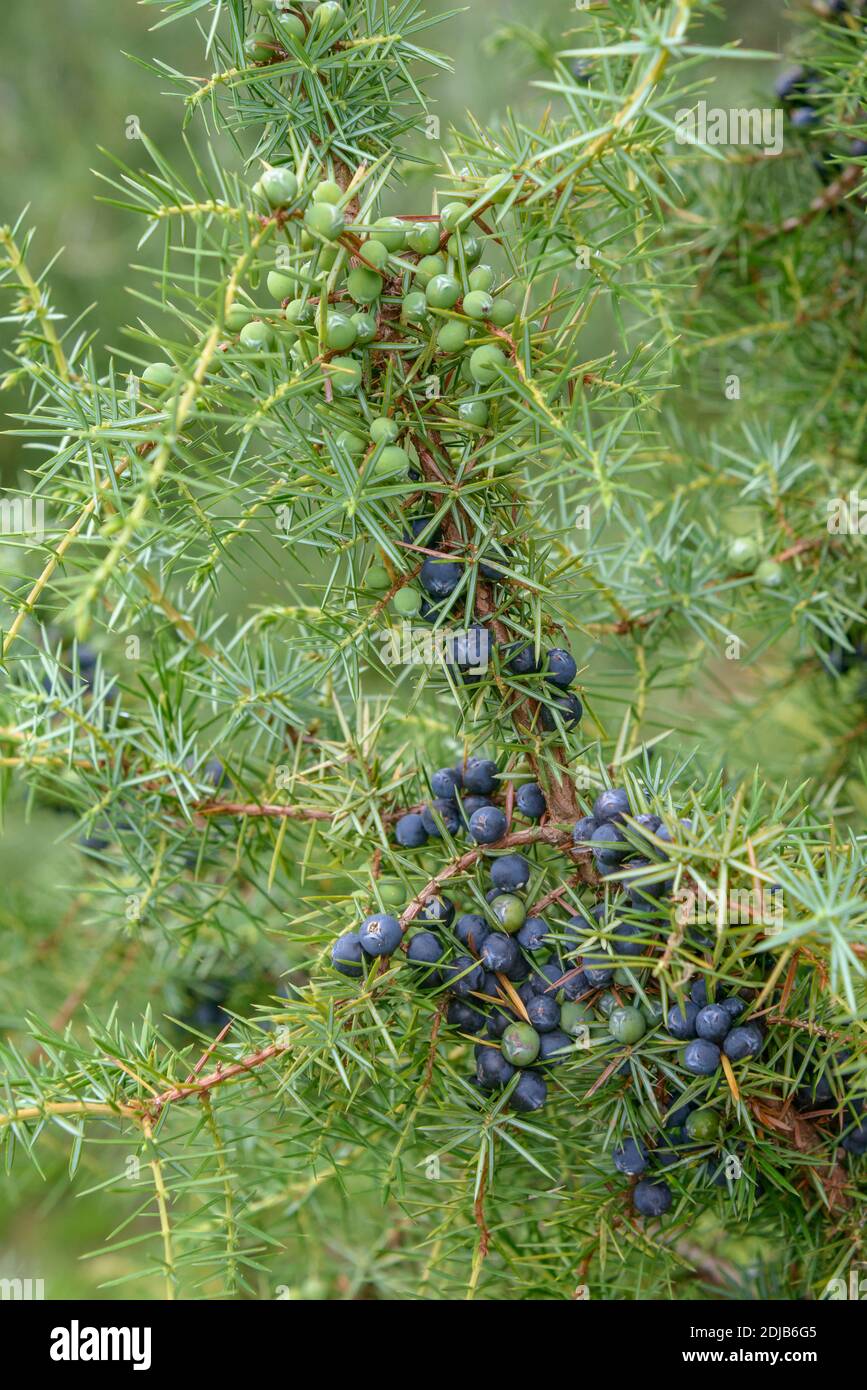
{"type": "Point", "coordinates": [379, 935]}
{"type": "Point", "coordinates": [555, 668]}
{"type": "Point", "coordinates": [535, 991]}
{"type": "Point", "coordinates": [465, 801]}
{"type": "Point", "coordinates": [617, 839]}
{"type": "Point", "coordinates": [710, 1031]}
{"type": "Point", "coordinates": [690, 1134]}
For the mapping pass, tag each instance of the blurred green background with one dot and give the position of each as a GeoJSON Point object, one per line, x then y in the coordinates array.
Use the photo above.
{"type": "Point", "coordinates": [66, 89]}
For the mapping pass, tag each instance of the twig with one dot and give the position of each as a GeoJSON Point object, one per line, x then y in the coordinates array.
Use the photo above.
{"type": "Point", "coordinates": [547, 834]}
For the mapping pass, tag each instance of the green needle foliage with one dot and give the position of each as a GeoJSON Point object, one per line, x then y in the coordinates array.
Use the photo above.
{"type": "Point", "coordinates": [598, 395]}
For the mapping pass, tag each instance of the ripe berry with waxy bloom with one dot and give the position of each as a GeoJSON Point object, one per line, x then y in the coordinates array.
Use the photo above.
{"type": "Point", "coordinates": [440, 577]}
{"type": "Point", "coordinates": [569, 710]}
{"type": "Point", "coordinates": [488, 825]}
{"type": "Point", "coordinates": [472, 930]}
{"type": "Point", "coordinates": [611, 805]}
{"type": "Point", "coordinates": [410, 831]}
{"type": "Point", "coordinates": [651, 1198]}
{"type": "Point", "coordinates": [480, 776]}
{"type": "Point", "coordinates": [530, 801]}
{"type": "Point", "coordinates": [465, 1016]}
{"type": "Point", "coordinates": [499, 953]}
{"type": "Point", "coordinates": [441, 810]}
{"type": "Point", "coordinates": [530, 1092]}
{"type": "Point", "coordinates": [543, 1011]}
{"type": "Point", "coordinates": [380, 935]}
{"type": "Point", "coordinates": [534, 934]}
{"type": "Point", "coordinates": [523, 660]}
{"type": "Point", "coordinates": [681, 1020]}
{"type": "Point", "coordinates": [424, 951]}
{"type": "Point", "coordinates": [447, 781]}
{"type": "Point", "coordinates": [466, 976]}
{"type": "Point", "coordinates": [510, 872]}
{"type": "Point", "coordinates": [701, 1058]}
{"type": "Point", "coordinates": [630, 1157]}
{"type": "Point", "coordinates": [493, 1069]}
{"type": "Point", "coordinates": [610, 846]}
{"type": "Point", "coordinates": [347, 956]}
{"type": "Point", "coordinates": [713, 1022]}
{"type": "Point", "coordinates": [583, 831]}
{"type": "Point", "coordinates": [733, 1006]}
{"type": "Point", "coordinates": [742, 1042]}
{"type": "Point", "coordinates": [438, 910]}
{"type": "Point", "coordinates": [560, 668]}
{"type": "Point", "coordinates": [555, 1047]}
